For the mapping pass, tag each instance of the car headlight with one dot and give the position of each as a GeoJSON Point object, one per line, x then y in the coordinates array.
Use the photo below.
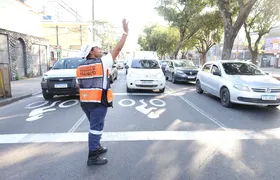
{"type": "Point", "coordinates": [241, 87]}
{"type": "Point", "coordinates": [45, 77]}
{"type": "Point", "coordinates": [133, 75]}
{"type": "Point", "coordinates": [180, 72]}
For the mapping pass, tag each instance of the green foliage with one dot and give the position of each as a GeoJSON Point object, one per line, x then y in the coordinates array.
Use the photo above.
{"type": "Point", "coordinates": [160, 39]}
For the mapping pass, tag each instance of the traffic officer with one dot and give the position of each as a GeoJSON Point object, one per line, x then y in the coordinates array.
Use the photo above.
{"type": "Point", "coordinates": [95, 92]}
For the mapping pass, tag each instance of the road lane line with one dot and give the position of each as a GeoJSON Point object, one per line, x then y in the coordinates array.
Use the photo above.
{"type": "Point", "coordinates": [209, 136]}
{"type": "Point", "coordinates": [208, 116]}
{"type": "Point", "coordinates": [78, 123]}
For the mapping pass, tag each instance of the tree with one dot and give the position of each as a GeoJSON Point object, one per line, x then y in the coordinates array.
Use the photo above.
{"type": "Point", "coordinates": [209, 34]}
{"type": "Point", "coordinates": [183, 14]}
{"type": "Point", "coordinates": [230, 10]}
{"type": "Point", "coordinates": [160, 39]}
{"type": "Point", "coordinates": [106, 32]}
{"type": "Point", "coordinates": [263, 17]}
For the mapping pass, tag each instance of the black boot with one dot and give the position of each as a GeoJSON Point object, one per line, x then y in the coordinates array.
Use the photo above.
{"type": "Point", "coordinates": [94, 159]}
{"type": "Point", "coordinates": [101, 149]}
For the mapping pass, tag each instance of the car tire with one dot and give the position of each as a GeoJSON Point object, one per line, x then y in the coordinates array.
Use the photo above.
{"type": "Point", "coordinates": [162, 90]}
{"type": "Point", "coordinates": [166, 77]}
{"type": "Point", "coordinates": [128, 90]}
{"type": "Point", "coordinates": [272, 106]}
{"type": "Point", "coordinates": [199, 90]}
{"type": "Point", "coordinates": [173, 79]}
{"type": "Point", "coordinates": [111, 79]}
{"type": "Point", "coordinates": [225, 97]}
{"type": "Point", "coordinates": [47, 96]}
{"type": "Point", "coordinates": [116, 77]}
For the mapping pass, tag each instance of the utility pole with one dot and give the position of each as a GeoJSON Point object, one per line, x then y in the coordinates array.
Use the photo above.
{"type": "Point", "coordinates": [93, 23]}
{"type": "Point", "coordinates": [57, 43]}
{"type": "Point", "coordinates": [81, 35]}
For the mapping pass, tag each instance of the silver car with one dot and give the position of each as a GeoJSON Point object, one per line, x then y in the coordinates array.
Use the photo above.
{"type": "Point", "coordinates": [238, 82]}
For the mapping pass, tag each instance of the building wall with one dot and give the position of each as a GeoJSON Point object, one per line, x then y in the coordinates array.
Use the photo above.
{"type": "Point", "coordinates": [27, 55]}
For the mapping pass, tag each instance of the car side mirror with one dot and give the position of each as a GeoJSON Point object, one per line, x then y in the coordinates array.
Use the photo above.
{"type": "Point", "coordinates": [267, 73]}
{"type": "Point", "coordinates": [217, 73]}
{"type": "Point", "coordinates": [114, 65]}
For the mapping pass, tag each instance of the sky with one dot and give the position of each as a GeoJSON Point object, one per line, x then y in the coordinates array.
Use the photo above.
{"type": "Point", "coordinates": [138, 12]}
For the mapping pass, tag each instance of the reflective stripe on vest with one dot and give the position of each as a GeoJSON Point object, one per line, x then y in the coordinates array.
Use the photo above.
{"type": "Point", "coordinates": [110, 95]}
{"type": "Point", "coordinates": [91, 95]}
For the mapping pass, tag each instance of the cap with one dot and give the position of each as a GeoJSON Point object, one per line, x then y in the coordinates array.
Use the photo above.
{"type": "Point", "coordinates": [87, 48]}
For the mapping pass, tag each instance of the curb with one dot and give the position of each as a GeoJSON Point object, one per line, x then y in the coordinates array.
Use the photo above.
{"type": "Point", "coordinates": [13, 99]}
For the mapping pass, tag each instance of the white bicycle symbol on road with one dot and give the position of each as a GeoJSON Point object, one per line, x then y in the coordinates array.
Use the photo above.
{"type": "Point", "coordinates": [143, 108]}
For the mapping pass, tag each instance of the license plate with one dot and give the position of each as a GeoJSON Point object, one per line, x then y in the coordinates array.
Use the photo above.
{"type": "Point", "coordinates": [269, 98]}
{"type": "Point", "coordinates": [191, 77]}
{"type": "Point", "coordinates": [60, 86]}
{"type": "Point", "coordinates": [147, 82]}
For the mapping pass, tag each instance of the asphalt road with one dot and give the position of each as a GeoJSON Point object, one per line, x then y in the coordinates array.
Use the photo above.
{"type": "Point", "coordinates": [175, 135]}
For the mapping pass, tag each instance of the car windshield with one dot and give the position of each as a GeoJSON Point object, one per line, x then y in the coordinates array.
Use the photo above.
{"type": "Point", "coordinates": [186, 64]}
{"type": "Point", "coordinates": [68, 63]}
{"type": "Point", "coordinates": [145, 64]}
{"type": "Point", "coordinates": [239, 68]}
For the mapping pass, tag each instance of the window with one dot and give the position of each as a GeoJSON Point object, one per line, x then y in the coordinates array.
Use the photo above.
{"type": "Point", "coordinates": [215, 69]}
{"type": "Point", "coordinates": [207, 68]}
{"type": "Point", "coordinates": [240, 68]}
{"type": "Point", "coordinates": [186, 64]}
{"type": "Point", "coordinates": [145, 64]}
{"type": "Point", "coordinates": [68, 63]}
{"type": "Point", "coordinates": [170, 64]}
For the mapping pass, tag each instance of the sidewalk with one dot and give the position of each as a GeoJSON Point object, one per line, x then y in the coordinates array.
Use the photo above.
{"type": "Point", "coordinates": [22, 89]}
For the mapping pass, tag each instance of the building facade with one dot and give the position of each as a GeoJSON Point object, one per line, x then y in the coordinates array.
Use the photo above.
{"type": "Point", "coordinates": [21, 47]}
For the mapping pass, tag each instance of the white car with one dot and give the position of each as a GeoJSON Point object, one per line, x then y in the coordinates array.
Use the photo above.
{"type": "Point", "coordinates": [238, 82]}
{"type": "Point", "coordinates": [61, 79]}
{"type": "Point", "coordinates": [145, 74]}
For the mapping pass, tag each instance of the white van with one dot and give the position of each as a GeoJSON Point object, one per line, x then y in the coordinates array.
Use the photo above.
{"type": "Point", "coordinates": [145, 74]}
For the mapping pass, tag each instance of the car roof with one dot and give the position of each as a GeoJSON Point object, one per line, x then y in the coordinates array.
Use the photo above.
{"type": "Point", "coordinates": [226, 61]}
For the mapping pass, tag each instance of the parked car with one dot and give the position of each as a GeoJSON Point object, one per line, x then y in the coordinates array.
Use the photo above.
{"type": "Point", "coordinates": [163, 64]}
{"type": "Point", "coordinates": [238, 82]}
{"type": "Point", "coordinates": [145, 74]}
{"type": "Point", "coordinates": [61, 78]}
{"type": "Point", "coordinates": [181, 70]}
{"type": "Point", "coordinates": [113, 73]}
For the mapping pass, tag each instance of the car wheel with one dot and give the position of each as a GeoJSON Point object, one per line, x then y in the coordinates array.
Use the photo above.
{"type": "Point", "coordinates": [173, 79]}
{"type": "Point", "coordinates": [111, 79]}
{"type": "Point", "coordinates": [272, 106]}
{"type": "Point", "coordinates": [128, 90]}
{"type": "Point", "coordinates": [198, 87]}
{"type": "Point", "coordinates": [47, 96]}
{"type": "Point", "coordinates": [166, 77]}
{"type": "Point", "coordinates": [225, 97]}
{"type": "Point", "coordinates": [116, 77]}
{"type": "Point", "coordinates": [162, 90]}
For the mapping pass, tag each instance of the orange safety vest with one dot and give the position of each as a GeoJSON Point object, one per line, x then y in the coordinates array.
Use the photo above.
{"type": "Point", "coordinates": [90, 76]}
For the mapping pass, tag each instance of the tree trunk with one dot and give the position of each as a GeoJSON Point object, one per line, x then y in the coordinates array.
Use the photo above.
{"type": "Point", "coordinates": [254, 56]}
{"type": "Point", "coordinates": [203, 58]}
{"type": "Point", "coordinates": [182, 36]}
{"type": "Point", "coordinates": [229, 37]}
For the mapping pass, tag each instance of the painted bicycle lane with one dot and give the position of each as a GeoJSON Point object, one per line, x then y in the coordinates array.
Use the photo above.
{"type": "Point", "coordinates": [37, 115]}
{"type": "Point", "coordinates": [151, 112]}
